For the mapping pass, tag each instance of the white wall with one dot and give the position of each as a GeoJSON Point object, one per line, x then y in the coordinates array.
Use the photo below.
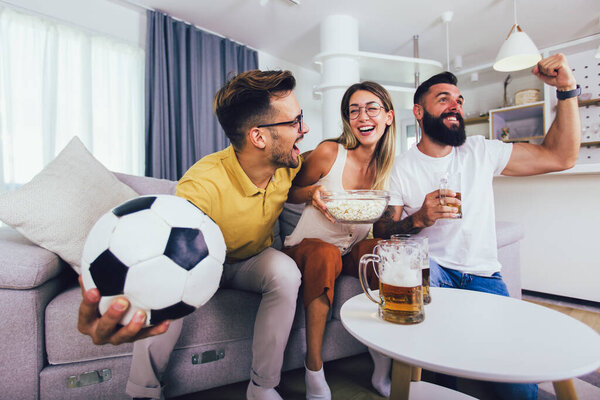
{"type": "Point", "coordinates": [109, 17]}
{"type": "Point", "coordinates": [305, 81]}
{"type": "Point", "coordinates": [559, 213]}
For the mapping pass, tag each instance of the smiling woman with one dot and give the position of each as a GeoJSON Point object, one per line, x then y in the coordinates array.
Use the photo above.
{"type": "Point", "coordinates": [58, 81]}
{"type": "Point", "coordinates": [328, 241]}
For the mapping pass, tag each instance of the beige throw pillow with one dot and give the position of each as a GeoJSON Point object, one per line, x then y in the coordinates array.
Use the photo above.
{"type": "Point", "coordinates": [59, 206]}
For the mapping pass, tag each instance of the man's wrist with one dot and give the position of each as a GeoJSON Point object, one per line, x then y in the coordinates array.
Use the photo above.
{"type": "Point", "coordinates": [416, 221]}
{"type": "Point", "coordinates": [568, 94]}
{"type": "Point", "coordinates": [568, 87]}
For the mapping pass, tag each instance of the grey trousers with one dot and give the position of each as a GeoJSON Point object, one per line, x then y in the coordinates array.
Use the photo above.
{"type": "Point", "coordinates": [271, 273]}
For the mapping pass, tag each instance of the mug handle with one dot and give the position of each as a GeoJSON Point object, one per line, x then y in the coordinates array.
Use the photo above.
{"type": "Point", "coordinates": [362, 274]}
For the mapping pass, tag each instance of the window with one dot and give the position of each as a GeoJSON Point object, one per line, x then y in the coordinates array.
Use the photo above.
{"type": "Point", "coordinates": [408, 134]}
{"type": "Point", "coordinates": [58, 81]}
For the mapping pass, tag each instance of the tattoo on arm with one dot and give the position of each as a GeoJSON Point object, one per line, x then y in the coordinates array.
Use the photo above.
{"type": "Point", "coordinates": [391, 227]}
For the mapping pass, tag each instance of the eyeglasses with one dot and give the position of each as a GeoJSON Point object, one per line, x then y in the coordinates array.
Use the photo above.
{"type": "Point", "coordinates": [372, 109]}
{"type": "Point", "coordinates": [297, 120]}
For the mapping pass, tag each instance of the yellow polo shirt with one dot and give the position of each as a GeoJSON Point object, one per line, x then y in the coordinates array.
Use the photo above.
{"type": "Point", "coordinates": [218, 185]}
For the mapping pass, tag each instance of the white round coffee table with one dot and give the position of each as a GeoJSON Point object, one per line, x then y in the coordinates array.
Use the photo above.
{"type": "Point", "coordinates": [480, 336]}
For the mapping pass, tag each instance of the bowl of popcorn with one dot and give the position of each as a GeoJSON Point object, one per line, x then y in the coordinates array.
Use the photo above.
{"type": "Point", "coordinates": [356, 206]}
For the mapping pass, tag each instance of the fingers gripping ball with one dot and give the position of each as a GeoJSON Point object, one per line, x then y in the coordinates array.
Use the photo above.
{"type": "Point", "coordinates": [161, 252]}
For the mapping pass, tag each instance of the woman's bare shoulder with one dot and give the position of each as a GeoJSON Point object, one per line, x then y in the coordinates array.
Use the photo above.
{"type": "Point", "coordinates": [325, 150]}
{"type": "Point", "coordinates": [317, 164]}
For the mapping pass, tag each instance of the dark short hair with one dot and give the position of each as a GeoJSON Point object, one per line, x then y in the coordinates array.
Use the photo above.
{"type": "Point", "coordinates": [245, 101]}
{"type": "Point", "coordinates": [442, 77]}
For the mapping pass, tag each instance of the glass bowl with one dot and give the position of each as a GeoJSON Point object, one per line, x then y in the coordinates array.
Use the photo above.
{"type": "Point", "coordinates": [356, 206]}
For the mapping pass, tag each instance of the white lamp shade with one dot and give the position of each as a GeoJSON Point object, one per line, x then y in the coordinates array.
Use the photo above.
{"type": "Point", "coordinates": [517, 52]}
{"type": "Point", "coordinates": [597, 53]}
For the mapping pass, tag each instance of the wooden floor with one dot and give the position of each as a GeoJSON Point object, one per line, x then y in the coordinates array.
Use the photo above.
{"type": "Point", "coordinates": [589, 318]}
{"type": "Point", "coordinates": [349, 378]}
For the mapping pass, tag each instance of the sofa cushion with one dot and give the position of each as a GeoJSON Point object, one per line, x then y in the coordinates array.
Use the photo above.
{"type": "Point", "coordinates": [346, 287]}
{"type": "Point", "coordinates": [23, 264]}
{"type": "Point", "coordinates": [227, 316]}
{"type": "Point", "coordinates": [59, 206]}
{"type": "Point", "coordinates": [288, 219]}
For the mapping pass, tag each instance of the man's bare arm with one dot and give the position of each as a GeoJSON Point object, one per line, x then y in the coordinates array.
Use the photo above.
{"type": "Point", "coordinates": [390, 223]}
{"type": "Point", "coordinates": [560, 148]}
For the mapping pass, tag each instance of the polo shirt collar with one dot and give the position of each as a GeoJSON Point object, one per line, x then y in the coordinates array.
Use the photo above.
{"type": "Point", "coordinates": [238, 174]}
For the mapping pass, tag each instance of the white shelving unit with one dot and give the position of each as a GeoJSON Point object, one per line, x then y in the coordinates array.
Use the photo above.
{"type": "Point", "coordinates": [343, 64]}
{"type": "Point", "coordinates": [385, 67]}
{"type": "Point", "coordinates": [395, 73]}
{"type": "Point", "coordinates": [526, 123]}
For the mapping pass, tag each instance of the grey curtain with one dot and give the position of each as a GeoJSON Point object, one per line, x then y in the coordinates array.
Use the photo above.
{"type": "Point", "coordinates": [185, 67]}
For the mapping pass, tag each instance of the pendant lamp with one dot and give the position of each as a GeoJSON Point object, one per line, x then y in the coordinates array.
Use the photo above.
{"type": "Point", "coordinates": [518, 51]}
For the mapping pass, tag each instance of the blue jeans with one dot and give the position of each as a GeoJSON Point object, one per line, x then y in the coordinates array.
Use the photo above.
{"type": "Point", "coordinates": [445, 277]}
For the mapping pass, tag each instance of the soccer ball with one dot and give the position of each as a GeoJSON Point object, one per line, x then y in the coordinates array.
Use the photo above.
{"type": "Point", "coordinates": [160, 251]}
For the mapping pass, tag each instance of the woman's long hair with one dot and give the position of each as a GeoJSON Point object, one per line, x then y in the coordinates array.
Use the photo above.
{"type": "Point", "coordinates": [386, 147]}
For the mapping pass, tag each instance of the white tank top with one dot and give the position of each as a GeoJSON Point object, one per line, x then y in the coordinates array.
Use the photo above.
{"type": "Point", "coordinates": [313, 224]}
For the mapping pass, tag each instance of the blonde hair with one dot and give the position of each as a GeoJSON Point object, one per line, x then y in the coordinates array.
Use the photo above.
{"type": "Point", "coordinates": [386, 147]}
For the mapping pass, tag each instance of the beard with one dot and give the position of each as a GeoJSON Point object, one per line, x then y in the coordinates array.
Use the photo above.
{"type": "Point", "coordinates": [281, 157]}
{"type": "Point", "coordinates": [435, 128]}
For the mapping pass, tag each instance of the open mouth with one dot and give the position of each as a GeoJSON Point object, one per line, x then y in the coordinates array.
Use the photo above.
{"type": "Point", "coordinates": [295, 148]}
{"type": "Point", "coordinates": [452, 118]}
{"type": "Point", "coordinates": [365, 130]}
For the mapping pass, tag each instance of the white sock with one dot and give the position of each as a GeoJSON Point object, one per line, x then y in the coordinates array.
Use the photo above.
{"type": "Point", "coordinates": [255, 392]}
{"type": "Point", "coordinates": [316, 385]}
{"type": "Point", "coordinates": [381, 379]}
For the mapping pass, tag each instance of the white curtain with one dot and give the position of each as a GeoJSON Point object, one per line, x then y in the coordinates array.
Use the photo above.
{"type": "Point", "coordinates": [58, 81]}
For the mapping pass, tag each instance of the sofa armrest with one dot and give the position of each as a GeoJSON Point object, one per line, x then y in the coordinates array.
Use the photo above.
{"type": "Point", "coordinates": [508, 232]}
{"type": "Point", "coordinates": [24, 265]}
{"type": "Point", "coordinates": [508, 237]}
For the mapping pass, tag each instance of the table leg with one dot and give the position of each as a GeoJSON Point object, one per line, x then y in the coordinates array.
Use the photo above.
{"type": "Point", "coordinates": [565, 390]}
{"type": "Point", "coordinates": [416, 374]}
{"type": "Point", "coordinates": [401, 376]}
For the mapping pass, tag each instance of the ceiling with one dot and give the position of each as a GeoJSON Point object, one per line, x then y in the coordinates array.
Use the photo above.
{"type": "Point", "coordinates": [476, 31]}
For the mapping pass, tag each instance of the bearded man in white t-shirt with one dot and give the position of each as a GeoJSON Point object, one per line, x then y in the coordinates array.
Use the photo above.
{"type": "Point", "coordinates": [463, 251]}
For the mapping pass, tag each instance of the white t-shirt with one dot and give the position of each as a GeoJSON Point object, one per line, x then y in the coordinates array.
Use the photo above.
{"type": "Point", "coordinates": [467, 244]}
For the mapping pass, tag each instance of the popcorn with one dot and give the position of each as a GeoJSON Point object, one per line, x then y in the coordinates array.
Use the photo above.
{"type": "Point", "coordinates": [364, 206]}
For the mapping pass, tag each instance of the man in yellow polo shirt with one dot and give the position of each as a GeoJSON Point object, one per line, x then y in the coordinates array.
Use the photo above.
{"type": "Point", "coordinates": [242, 188]}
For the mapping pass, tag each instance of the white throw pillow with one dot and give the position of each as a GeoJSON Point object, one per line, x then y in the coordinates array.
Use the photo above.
{"type": "Point", "coordinates": [59, 206]}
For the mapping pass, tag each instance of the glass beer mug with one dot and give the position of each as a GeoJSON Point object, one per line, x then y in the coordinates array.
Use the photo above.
{"type": "Point", "coordinates": [423, 241]}
{"type": "Point", "coordinates": [397, 264]}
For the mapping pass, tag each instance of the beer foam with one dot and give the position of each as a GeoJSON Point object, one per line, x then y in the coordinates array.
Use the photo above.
{"type": "Point", "coordinates": [400, 275]}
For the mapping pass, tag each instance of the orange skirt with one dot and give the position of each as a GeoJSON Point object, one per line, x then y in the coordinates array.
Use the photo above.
{"type": "Point", "coordinates": [321, 263]}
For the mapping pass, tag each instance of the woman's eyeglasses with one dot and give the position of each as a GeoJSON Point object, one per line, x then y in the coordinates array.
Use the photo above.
{"type": "Point", "coordinates": [372, 110]}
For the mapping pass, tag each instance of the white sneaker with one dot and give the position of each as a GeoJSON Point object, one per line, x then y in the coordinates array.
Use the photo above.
{"type": "Point", "coordinates": [316, 385]}
{"type": "Point", "coordinates": [260, 393]}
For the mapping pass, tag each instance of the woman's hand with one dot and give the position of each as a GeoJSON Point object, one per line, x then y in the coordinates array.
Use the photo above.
{"type": "Point", "coordinates": [314, 199]}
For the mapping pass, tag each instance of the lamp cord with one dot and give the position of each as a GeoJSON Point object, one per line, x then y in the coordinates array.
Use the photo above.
{"type": "Point", "coordinates": [515, 10]}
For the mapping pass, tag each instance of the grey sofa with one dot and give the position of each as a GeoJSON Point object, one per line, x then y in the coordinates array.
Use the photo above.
{"type": "Point", "coordinates": [44, 356]}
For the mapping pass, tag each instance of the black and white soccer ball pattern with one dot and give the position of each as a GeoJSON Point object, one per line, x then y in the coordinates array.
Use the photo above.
{"type": "Point", "coordinates": [159, 251]}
